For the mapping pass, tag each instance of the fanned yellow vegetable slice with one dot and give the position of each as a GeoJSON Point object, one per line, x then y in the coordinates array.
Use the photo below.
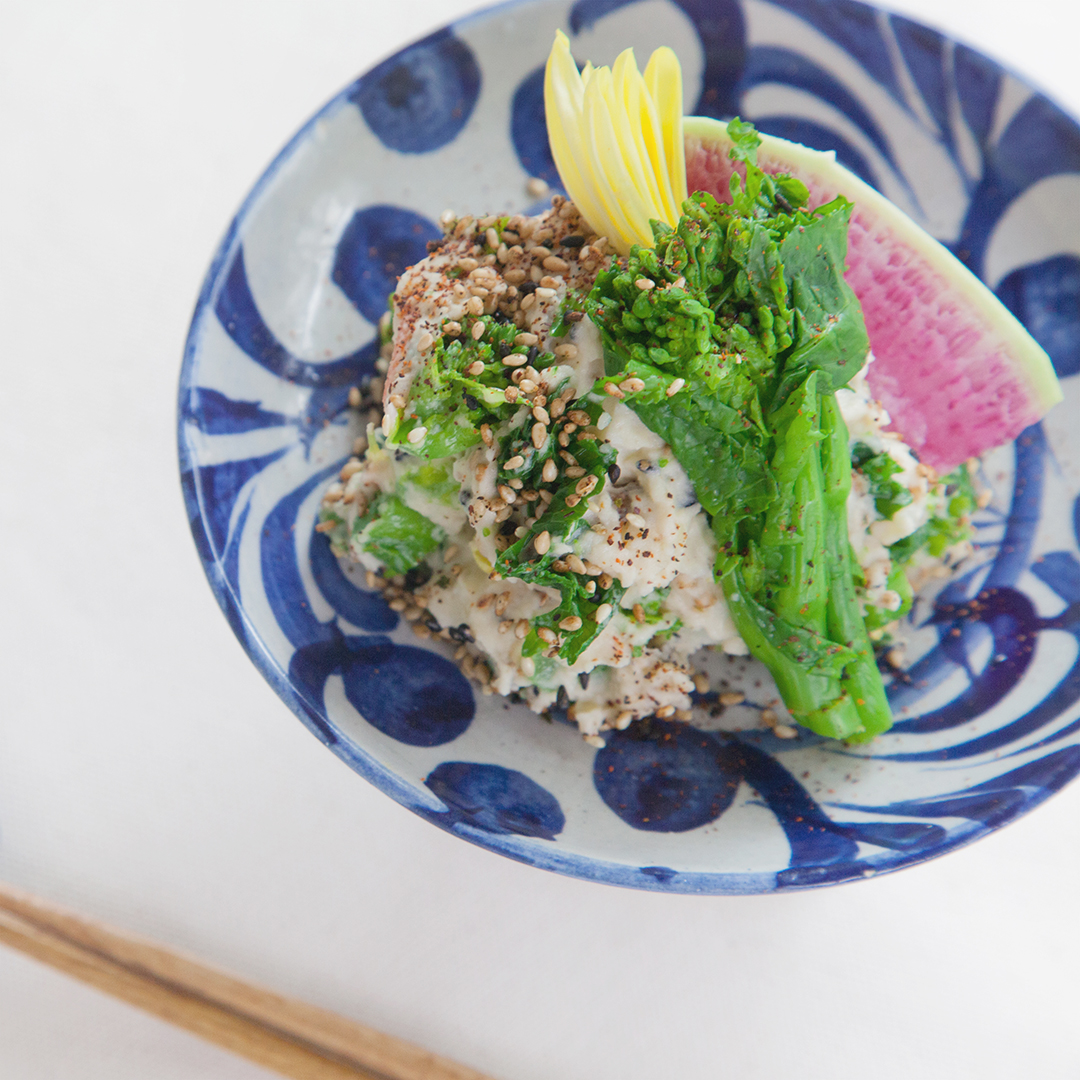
{"type": "Point", "coordinates": [617, 140]}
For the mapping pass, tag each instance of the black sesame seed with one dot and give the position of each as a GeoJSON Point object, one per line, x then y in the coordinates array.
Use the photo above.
{"type": "Point", "coordinates": [562, 698]}
{"type": "Point", "coordinates": [508, 527]}
{"type": "Point", "coordinates": [583, 678]}
{"type": "Point", "coordinates": [419, 575]}
{"type": "Point", "coordinates": [400, 455]}
{"type": "Point", "coordinates": [461, 634]}
{"type": "Point", "coordinates": [471, 402]}
{"type": "Point", "coordinates": [504, 348]}
{"type": "Point", "coordinates": [527, 287]}
{"type": "Point", "coordinates": [573, 241]}
{"type": "Point", "coordinates": [573, 316]}
{"type": "Point", "coordinates": [613, 473]}
{"type": "Point", "coordinates": [533, 353]}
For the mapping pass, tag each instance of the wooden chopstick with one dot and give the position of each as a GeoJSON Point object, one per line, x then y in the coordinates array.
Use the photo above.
{"type": "Point", "coordinates": [291, 1037]}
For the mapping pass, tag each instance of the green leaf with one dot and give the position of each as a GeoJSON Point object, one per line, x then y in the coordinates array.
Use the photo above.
{"type": "Point", "coordinates": [888, 494]}
{"type": "Point", "coordinates": [398, 536]}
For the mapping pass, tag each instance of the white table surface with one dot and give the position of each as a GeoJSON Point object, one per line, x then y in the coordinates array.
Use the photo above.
{"type": "Point", "coordinates": [148, 775]}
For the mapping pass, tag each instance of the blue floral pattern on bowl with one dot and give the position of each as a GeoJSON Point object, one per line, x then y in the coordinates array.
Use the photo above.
{"type": "Point", "coordinates": [988, 706]}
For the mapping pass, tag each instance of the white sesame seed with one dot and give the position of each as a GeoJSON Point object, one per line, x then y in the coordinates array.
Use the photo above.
{"type": "Point", "coordinates": [536, 187]}
{"type": "Point", "coordinates": [541, 414]}
{"type": "Point", "coordinates": [397, 401]}
{"type": "Point", "coordinates": [732, 697]}
{"type": "Point", "coordinates": [566, 351]}
{"type": "Point", "coordinates": [547, 635]}
{"type": "Point", "coordinates": [632, 386]}
{"type": "Point", "coordinates": [542, 543]}
{"type": "Point", "coordinates": [701, 682]}
{"type": "Point", "coordinates": [528, 667]}
{"type": "Point", "coordinates": [424, 341]}
{"type": "Point", "coordinates": [478, 329]}
{"type": "Point", "coordinates": [575, 563]}
{"type": "Point", "coordinates": [613, 390]}
{"type": "Point", "coordinates": [492, 238]}
{"type": "Point", "coordinates": [574, 471]}
{"type": "Point", "coordinates": [674, 387]}
{"type": "Point", "coordinates": [354, 397]}
{"type": "Point", "coordinates": [645, 284]}
{"type": "Point", "coordinates": [556, 265]}
{"type": "Point", "coordinates": [515, 462]}
{"type": "Point", "coordinates": [527, 386]}
{"type": "Point", "coordinates": [550, 471]}
{"type": "Point", "coordinates": [539, 435]}
{"type": "Point", "coordinates": [507, 493]}
{"type": "Point", "coordinates": [603, 613]}
{"type": "Point", "coordinates": [545, 294]}
{"type": "Point", "coordinates": [623, 720]}
{"type": "Point", "coordinates": [486, 436]}
{"type": "Point", "coordinates": [515, 359]}
{"type": "Point", "coordinates": [595, 741]}
{"type": "Point", "coordinates": [526, 339]}
{"type": "Point", "coordinates": [475, 368]}
{"type": "Point", "coordinates": [521, 629]}
{"type": "Point", "coordinates": [417, 435]}
{"type": "Point", "coordinates": [785, 731]}
{"type": "Point", "coordinates": [571, 623]}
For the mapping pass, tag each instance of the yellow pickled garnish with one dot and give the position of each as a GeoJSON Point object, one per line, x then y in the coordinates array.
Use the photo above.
{"type": "Point", "coordinates": [617, 139]}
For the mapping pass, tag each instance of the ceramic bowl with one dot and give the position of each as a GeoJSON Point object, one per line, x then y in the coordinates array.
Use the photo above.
{"type": "Point", "coordinates": [987, 707]}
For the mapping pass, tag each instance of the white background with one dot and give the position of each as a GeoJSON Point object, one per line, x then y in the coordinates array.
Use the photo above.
{"type": "Point", "coordinates": [150, 777]}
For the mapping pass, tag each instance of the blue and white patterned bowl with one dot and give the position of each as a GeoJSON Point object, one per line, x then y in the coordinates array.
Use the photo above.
{"type": "Point", "coordinates": [990, 708]}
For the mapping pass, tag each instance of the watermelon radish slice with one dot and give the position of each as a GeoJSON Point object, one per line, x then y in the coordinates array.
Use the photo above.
{"type": "Point", "coordinates": [956, 370]}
